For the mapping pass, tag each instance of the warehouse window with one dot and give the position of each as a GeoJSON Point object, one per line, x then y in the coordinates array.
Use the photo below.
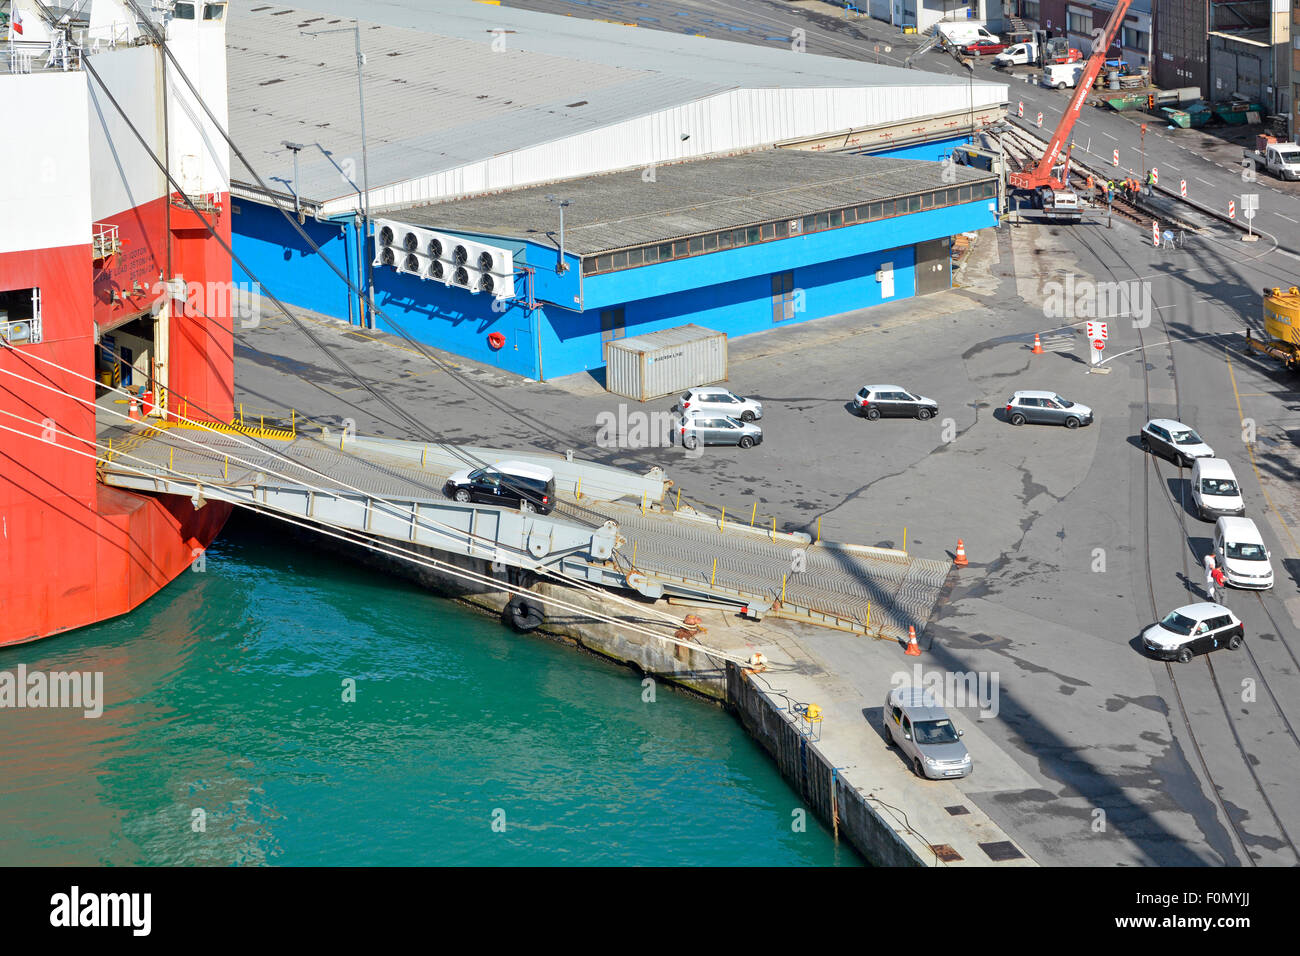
{"type": "Point", "coordinates": [697, 245]}
{"type": "Point", "coordinates": [1079, 23]}
{"type": "Point", "coordinates": [835, 219]}
{"type": "Point", "coordinates": [681, 248]}
{"type": "Point", "coordinates": [1136, 39]}
{"type": "Point", "coordinates": [782, 296]}
{"type": "Point", "coordinates": [724, 240]}
{"type": "Point", "coordinates": [618, 260]}
{"type": "Point", "coordinates": [588, 265]}
{"type": "Point", "coordinates": [633, 257]}
{"type": "Point", "coordinates": [611, 325]}
{"type": "Point", "coordinates": [711, 243]}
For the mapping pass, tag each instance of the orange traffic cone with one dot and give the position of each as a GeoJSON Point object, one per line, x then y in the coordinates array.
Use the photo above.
{"type": "Point", "coordinates": [133, 409]}
{"type": "Point", "coordinates": [1038, 346]}
{"type": "Point", "coordinates": [913, 648]}
{"type": "Point", "coordinates": [960, 559]}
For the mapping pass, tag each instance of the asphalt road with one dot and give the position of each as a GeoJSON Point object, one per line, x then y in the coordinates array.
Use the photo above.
{"type": "Point", "coordinates": [1208, 160]}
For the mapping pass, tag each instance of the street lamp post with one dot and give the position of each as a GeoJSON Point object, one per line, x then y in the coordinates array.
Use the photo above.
{"type": "Point", "coordinates": [970, 76]}
{"type": "Point", "coordinates": [367, 320]}
{"type": "Point", "coordinates": [297, 208]}
{"type": "Point", "coordinates": [560, 266]}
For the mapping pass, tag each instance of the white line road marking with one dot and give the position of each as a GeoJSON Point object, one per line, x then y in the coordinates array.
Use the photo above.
{"type": "Point", "coordinates": [1206, 181]}
{"type": "Point", "coordinates": [1283, 252]}
{"type": "Point", "coordinates": [1104, 133]}
{"type": "Point", "coordinates": [1287, 218]}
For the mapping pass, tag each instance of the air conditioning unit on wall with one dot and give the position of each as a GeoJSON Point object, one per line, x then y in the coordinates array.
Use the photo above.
{"type": "Point", "coordinates": [442, 257]}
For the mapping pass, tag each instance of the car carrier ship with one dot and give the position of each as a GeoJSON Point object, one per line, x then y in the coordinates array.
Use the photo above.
{"type": "Point", "coordinates": [109, 276]}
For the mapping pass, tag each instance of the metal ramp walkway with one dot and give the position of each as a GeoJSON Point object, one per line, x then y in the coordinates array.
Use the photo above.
{"type": "Point", "coordinates": [610, 527]}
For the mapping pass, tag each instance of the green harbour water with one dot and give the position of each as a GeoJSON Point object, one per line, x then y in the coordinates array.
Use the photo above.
{"type": "Point", "coordinates": [223, 703]}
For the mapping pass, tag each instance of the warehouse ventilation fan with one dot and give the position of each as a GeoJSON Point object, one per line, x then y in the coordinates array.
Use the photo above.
{"type": "Point", "coordinates": [443, 257]}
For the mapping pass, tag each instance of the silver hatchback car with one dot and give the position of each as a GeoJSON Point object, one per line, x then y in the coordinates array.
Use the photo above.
{"type": "Point", "coordinates": [711, 429]}
{"type": "Point", "coordinates": [917, 725]}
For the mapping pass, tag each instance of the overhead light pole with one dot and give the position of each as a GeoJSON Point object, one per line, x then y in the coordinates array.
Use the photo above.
{"type": "Point", "coordinates": [368, 320]}
{"type": "Point", "coordinates": [560, 266]}
{"type": "Point", "coordinates": [297, 206]}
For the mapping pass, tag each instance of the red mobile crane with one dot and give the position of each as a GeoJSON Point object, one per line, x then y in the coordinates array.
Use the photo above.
{"type": "Point", "coordinates": [1042, 177]}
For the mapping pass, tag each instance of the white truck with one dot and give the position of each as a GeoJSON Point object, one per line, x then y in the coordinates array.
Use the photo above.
{"type": "Point", "coordinates": [1061, 75]}
{"type": "Point", "coordinates": [964, 32]}
{"type": "Point", "coordinates": [1280, 159]}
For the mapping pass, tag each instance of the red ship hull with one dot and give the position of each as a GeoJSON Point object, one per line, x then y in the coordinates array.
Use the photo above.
{"type": "Point", "coordinates": [94, 244]}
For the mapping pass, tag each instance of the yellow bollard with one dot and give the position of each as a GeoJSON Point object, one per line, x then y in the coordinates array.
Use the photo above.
{"type": "Point", "coordinates": [819, 529]}
{"type": "Point", "coordinates": [783, 577]}
{"type": "Point", "coordinates": [643, 494]}
{"type": "Point", "coordinates": [722, 524]}
{"type": "Point", "coordinates": [293, 418]}
{"type": "Point", "coordinates": [753, 515]}
{"type": "Point", "coordinates": [678, 506]}
{"type": "Point", "coordinates": [241, 413]}
{"type": "Point", "coordinates": [868, 615]}
{"type": "Point", "coordinates": [226, 469]}
{"type": "Point", "coordinates": [578, 494]}
{"type": "Point", "coordinates": [633, 554]}
{"type": "Point", "coordinates": [171, 459]}
{"type": "Point", "coordinates": [261, 421]}
{"type": "Point", "coordinates": [343, 436]}
{"type": "Point", "coordinates": [905, 541]}
{"type": "Point", "coordinates": [424, 452]}
{"type": "Point", "coordinates": [713, 578]}
{"type": "Point", "coordinates": [774, 529]}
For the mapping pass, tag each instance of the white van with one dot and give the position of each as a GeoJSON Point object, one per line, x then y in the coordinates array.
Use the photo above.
{"type": "Point", "coordinates": [1240, 551]}
{"type": "Point", "coordinates": [1021, 54]}
{"type": "Point", "coordinates": [1060, 75]}
{"type": "Point", "coordinates": [965, 33]}
{"type": "Point", "coordinates": [1215, 490]}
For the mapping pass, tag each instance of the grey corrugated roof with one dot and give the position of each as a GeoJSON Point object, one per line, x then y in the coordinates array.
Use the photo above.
{"type": "Point", "coordinates": [621, 209]}
{"type": "Point", "coordinates": [438, 97]}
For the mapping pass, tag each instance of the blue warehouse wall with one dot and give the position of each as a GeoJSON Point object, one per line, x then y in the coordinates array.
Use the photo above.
{"type": "Point", "coordinates": [572, 342]}
{"type": "Point", "coordinates": [287, 266]}
{"type": "Point", "coordinates": [457, 321]}
{"type": "Point", "coordinates": [934, 151]}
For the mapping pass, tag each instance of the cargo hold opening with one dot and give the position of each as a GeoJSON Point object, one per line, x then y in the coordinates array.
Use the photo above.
{"type": "Point", "coordinates": [131, 358]}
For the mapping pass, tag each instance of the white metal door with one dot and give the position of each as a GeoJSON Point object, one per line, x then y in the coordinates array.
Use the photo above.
{"type": "Point", "coordinates": [886, 280]}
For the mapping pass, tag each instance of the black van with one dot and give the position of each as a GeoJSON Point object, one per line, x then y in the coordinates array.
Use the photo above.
{"type": "Point", "coordinates": [513, 483]}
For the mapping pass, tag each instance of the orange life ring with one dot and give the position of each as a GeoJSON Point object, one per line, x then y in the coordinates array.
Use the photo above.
{"type": "Point", "coordinates": [496, 340]}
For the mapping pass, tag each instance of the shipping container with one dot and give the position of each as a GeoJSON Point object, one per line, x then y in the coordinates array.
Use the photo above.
{"type": "Point", "coordinates": [669, 362]}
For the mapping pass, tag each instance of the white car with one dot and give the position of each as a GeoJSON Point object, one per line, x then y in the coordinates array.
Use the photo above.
{"type": "Point", "coordinates": [719, 401]}
{"type": "Point", "coordinates": [1193, 629]}
{"type": "Point", "coordinates": [1240, 551]}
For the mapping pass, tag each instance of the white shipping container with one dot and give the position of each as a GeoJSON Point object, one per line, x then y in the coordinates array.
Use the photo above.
{"type": "Point", "coordinates": [668, 362]}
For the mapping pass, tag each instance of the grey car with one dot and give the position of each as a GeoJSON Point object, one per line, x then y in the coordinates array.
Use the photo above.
{"type": "Point", "coordinates": [917, 725]}
{"type": "Point", "coordinates": [1046, 408]}
{"type": "Point", "coordinates": [710, 429]}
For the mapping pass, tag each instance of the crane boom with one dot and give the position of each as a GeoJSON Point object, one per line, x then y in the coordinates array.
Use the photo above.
{"type": "Point", "coordinates": [1041, 174]}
